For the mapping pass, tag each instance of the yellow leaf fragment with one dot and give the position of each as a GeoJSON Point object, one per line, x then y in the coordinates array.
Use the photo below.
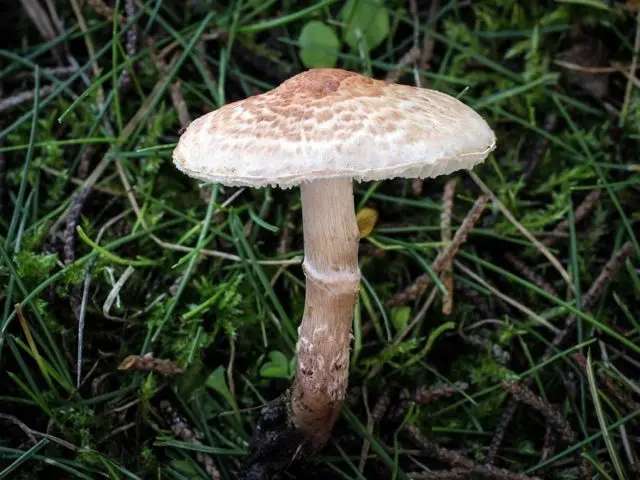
{"type": "Point", "coordinates": [367, 219]}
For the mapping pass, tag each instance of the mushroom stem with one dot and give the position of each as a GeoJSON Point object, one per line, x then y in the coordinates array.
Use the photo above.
{"type": "Point", "coordinates": [332, 274]}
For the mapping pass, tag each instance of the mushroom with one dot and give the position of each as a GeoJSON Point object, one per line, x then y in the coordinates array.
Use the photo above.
{"type": "Point", "coordinates": [320, 130]}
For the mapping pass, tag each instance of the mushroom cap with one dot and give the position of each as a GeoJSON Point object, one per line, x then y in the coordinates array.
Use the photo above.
{"type": "Point", "coordinates": [331, 123]}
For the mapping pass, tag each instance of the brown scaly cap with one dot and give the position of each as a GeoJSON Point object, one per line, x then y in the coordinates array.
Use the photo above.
{"type": "Point", "coordinates": [331, 123]}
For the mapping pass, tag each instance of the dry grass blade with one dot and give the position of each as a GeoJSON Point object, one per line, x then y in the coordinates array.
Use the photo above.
{"type": "Point", "coordinates": [548, 445]}
{"type": "Point", "coordinates": [514, 303]}
{"type": "Point", "coordinates": [82, 23]}
{"type": "Point", "coordinates": [47, 72]}
{"type": "Point", "coordinates": [23, 97]}
{"type": "Point", "coordinates": [115, 292]}
{"type": "Point", "coordinates": [608, 383]}
{"type": "Point", "coordinates": [608, 440]}
{"type": "Point", "coordinates": [539, 246]}
{"type": "Point", "coordinates": [175, 90]}
{"type": "Point", "coordinates": [32, 434]}
{"type": "Point", "coordinates": [39, 17]}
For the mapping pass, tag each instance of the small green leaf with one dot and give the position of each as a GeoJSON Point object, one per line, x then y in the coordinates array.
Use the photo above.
{"type": "Point", "coordinates": [319, 45]}
{"type": "Point", "coordinates": [367, 20]}
{"type": "Point", "coordinates": [276, 367]}
{"type": "Point", "coordinates": [218, 382]}
{"type": "Point", "coordinates": [400, 317]}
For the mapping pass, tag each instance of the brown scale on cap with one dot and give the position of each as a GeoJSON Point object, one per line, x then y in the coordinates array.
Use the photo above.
{"type": "Point", "coordinates": [312, 95]}
{"type": "Point", "coordinates": [316, 83]}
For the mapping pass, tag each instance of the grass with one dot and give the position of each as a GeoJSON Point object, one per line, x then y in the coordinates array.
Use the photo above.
{"type": "Point", "coordinates": [207, 278]}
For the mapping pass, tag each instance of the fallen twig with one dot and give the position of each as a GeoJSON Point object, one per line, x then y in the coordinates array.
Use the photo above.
{"type": "Point", "coordinates": [148, 363]}
{"type": "Point", "coordinates": [175, 90]}
{"type": "Point", "coordinates": [286, 237]}
{"type": "Point", "coordinates": [456, 459]}
{"type": "Point", "coordinates": [478, 301]}
{"type": "Point", "coordinates": [528, 273]}
{"type": "Point", "coordinates": [69, 236]}
{"type": "Point", "coordinates": [85, 161]}
{"type": "Point", "coordinates": [427, 41]}
{"type": "Point", "coordinates": [373, 417]}
{"type": "Point", "coordinates": [184, 432]}
{"type": "Point", "coordinates": [534, 155]}
{"type": "Point", "coordinates": [588, 299]}
{"type": "Point", "coordinates": [585, 207]}
{"type": "Point", "coordinates": [426, 395]}
{"type": "Point", "coordinates": [445, 232]}
{"type": "Point", "coordinates": [407, 59]}
{"type": "Point", "coordinates": [422, 282]}
{"type": "Point", "coordinates": [553, 417]}
{"type": "Point", "coordinates": [45, 72]}
{"type": "Point", "coordinates": [609, 270]}
{"type": "Point", "coordinates": [548, 445]}
{"type": "Point", "coordinates": [103, 9]}
{"type": "Point", "coordinates": [501, 430]}
{"type": "Point", "coordinates": [124, 82]}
